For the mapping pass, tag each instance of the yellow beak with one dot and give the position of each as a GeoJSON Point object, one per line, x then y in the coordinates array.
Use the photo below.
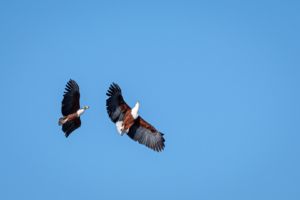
{"type": "Point", "coordinates": [86, 107]}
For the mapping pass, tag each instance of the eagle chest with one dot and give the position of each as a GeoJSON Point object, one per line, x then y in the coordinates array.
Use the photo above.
{"type": "Point", "coordinates": [128, 120]}
{"type": "Point", "coordinates": [72, 116]}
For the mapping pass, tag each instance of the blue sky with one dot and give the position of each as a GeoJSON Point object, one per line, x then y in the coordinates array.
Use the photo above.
{"type": "Point", "coordinates": [220, 79]}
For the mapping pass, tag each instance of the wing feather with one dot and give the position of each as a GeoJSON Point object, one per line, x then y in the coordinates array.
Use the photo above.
{"type": "Point", "coordinates": [71, 126]}
{"type": "Point", "coordinates": [147, 135]}
{"type": "Point", "coordinates": [70, 103]}
{"type": "Point", "coordinates": [115, 105]}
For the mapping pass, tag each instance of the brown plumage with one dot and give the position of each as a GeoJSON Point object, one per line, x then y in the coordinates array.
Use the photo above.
{"type": "Point", "coordinates": [137, 129]}
{"type": "Point", "coordinates": [128, 120]}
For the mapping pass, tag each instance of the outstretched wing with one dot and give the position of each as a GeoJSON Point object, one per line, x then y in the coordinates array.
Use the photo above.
{"type": "Point", "coordinates": [115, 105]}
{"type": "Point", "coordinates": [147, 135]}
{"type": "Point", "coordinates": [70, 103]}
{"type": "Point", "coordinates": [71, 126]}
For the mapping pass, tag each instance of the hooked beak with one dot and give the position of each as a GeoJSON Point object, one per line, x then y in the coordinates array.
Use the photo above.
{"type": "Point", "coordinates": [86, 107]}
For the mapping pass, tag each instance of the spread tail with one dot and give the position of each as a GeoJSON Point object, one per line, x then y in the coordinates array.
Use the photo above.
{"type": "Point", "coordinates": [62, 120]}
{"type": "Point", "coordinates": [120, 127]}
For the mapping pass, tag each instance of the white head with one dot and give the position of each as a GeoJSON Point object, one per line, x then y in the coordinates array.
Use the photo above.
{"type": "Point", "coordinates": [85, 107]}
{"type": "Point", "coordinates": [135, 110]}
{"type": "Point", "coordinates": [137, 105]}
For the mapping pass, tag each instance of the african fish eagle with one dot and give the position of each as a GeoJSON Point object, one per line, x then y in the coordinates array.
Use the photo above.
{"type": "Point", "coordinates": [128, 120]}
{"type": "Point", "coordinates": [71, 109]}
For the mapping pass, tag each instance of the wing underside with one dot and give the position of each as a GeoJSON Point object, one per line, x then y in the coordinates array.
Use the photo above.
{"type": "Point", "coordinates": [70, 103]}
{"type": "Point", "coordinates": [115, 105]}
{"type": "Point", "coordinates": [147, 135]}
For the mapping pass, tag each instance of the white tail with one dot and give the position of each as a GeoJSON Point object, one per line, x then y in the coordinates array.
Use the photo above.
{"type": "Point", "coordinates": [120, 127]}
{"type": "Point", "coordinates": [62, 120]}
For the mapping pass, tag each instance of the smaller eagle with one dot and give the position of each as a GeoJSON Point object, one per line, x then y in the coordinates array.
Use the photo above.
{"type": "Point", "coordinates": [70, 109]}
{"type": "Point", "coordinates": [128, 121]}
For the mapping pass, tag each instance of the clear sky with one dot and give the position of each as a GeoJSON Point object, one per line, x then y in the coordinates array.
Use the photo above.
{"type": "Point", "coordinates": [219, 79]}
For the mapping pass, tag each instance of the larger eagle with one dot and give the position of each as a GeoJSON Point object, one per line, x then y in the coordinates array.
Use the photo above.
{"type": "Point", "coordinates": [128, 120]}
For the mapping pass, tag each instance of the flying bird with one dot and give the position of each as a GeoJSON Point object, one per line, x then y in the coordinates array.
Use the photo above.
{"type": "Point", "coordinates": [70, 109]}
{"type": "Point", "coordinates": [128, 120]}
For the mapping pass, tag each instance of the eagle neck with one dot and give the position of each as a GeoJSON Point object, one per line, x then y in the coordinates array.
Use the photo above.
{"type": "Point", "coordinates": [80, 112]}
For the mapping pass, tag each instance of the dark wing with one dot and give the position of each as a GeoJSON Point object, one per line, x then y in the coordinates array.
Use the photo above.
{"type": "Point", "coordinates": [70, 103]}
{"type": "Point", "coordinates": [115, 105]}
{"type": "Point", "coordinates": [147, 135]}
{"type": "Point", "coordinates": [71, 126]}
